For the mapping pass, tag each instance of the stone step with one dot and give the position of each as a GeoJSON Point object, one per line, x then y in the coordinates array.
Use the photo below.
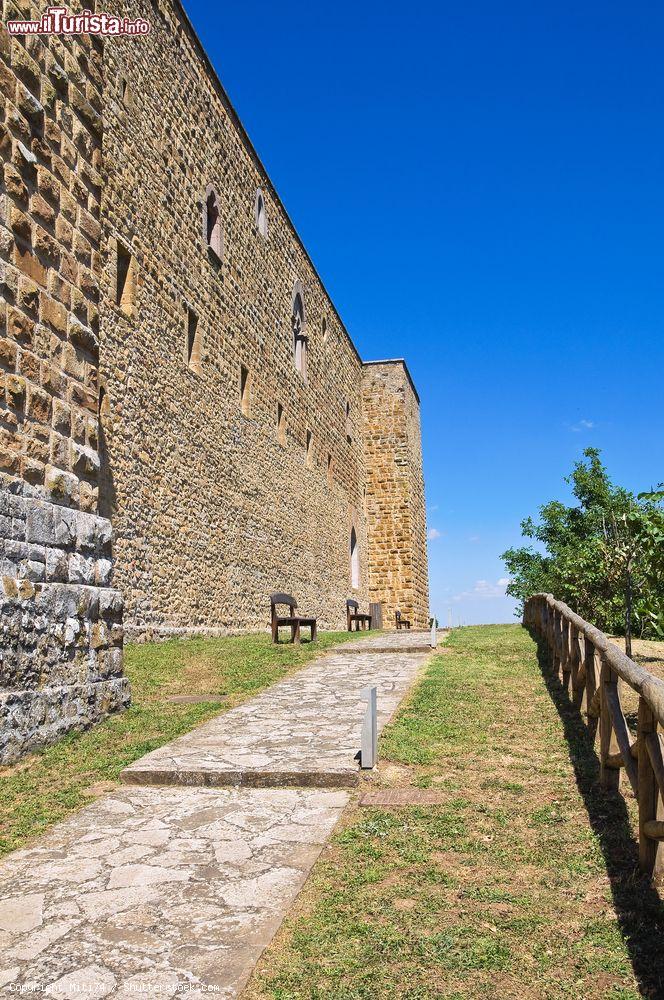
{"type": "Point", "coordinates": [218, 777]}
{"type": "Point", "coordinates": [422, 648]}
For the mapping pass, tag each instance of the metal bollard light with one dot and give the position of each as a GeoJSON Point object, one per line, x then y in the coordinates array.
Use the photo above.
{"type": "Point", "coordinates": [369, 744]}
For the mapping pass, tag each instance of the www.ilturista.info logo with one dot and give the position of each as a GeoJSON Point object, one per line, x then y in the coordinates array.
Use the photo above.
{"type": "Point", "coordinates": [60, 21]}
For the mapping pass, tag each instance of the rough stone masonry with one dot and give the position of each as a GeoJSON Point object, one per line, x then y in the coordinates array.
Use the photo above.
{"type": "Point", "coordinates": [171, 365]}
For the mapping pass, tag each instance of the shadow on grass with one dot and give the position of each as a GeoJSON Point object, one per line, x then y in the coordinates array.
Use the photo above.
{"type": "Point", "coordinates": [638, 906]}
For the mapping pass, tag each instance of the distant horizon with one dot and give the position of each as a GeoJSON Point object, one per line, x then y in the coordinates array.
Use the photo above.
{"type": "Point", "coordinates": [480, 191]}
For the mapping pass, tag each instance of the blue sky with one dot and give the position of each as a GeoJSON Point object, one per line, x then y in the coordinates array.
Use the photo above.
{"type": "Point", "coordinates": [481, 188]}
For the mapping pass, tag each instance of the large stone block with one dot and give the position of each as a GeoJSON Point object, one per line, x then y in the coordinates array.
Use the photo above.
{"type": "Point", "coordinates": [30, 718]}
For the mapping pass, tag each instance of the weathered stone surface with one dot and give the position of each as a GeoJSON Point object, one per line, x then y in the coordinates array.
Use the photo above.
{"type": "Point", "coordinates": [60, 638]}
{"type": "Point", "coordinates": [231, 508]}
{"type": "Point", "coordinates": [159, 892]}
{"type": "Point", "coordinates": [403, 641]}
{"type": "Point", "coordinates": [31, 718]}
{"type": "Point", "coordinates": [304, 731]}
{"type": "Point", "coordinates": [398, 572]}
{"type": "Point", "coordinates": [104, 267]}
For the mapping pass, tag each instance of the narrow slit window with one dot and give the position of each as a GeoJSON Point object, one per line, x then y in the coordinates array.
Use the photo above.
{"type": "Point", "coordinates": [354, 561]}
{"type": "Point", "coordinates": [309, 459]}
{"type": "Point", "coordinates": [125, 281]}
{"type": "Point", "coordinates": [324, 329]}
{"type": "Point", "coordinates": [330, 471]}
{"type": "Point", "coordinates": [213, 232]}
{"type": "Point", "coordinates": [281, 424]}
{"type": "Point", "coordinates": [193, 341]}
{"type": "Point", "coordinates": [300, 338]}
{"type": "Point", "coordinates": [245, 391]}
{"type": "Point", "coordinates": [349, 435]}
{"type": "Point", "coordinates": [260, 214]}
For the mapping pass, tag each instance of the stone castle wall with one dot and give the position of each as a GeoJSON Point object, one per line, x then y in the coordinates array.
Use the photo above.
{"type": "Point", "coordinates": [213, 509]}
{"type": "Point", "coordinates": [192, 386]}
{"type": "Point", "coordinates": [398, 574]}
{"type": "Point", "coordinates": [60, 619]}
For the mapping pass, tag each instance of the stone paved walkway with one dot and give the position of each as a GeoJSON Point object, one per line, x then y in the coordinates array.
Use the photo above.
{"type": "Point", "coordinates": [153, 891]}
{"type": "Point", "coordinates": [403, 641]}
{"type": "Point", "coordinates": [160, 890]}
{"type": "Point", "coordinates": [304, 730]}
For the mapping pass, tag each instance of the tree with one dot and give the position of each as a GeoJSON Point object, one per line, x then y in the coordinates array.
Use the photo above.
{"type": "Point", "coordinates": [651, 538]}
{"type": "Point", "coordinates": [604, 557]}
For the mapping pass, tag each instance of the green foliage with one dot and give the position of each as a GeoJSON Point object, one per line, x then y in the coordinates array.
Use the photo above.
{"type": "Point", "coordinates": [604, 557]}
{"type": "Point", "coordinates": [650, 535]}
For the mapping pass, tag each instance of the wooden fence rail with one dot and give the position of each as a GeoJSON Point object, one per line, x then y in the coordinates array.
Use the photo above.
{"type": "Point", "coordinates": [592, 669]}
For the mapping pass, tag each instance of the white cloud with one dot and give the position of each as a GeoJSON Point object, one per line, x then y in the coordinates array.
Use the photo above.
{"type": "Point", "coordinates": [474, 539]}
{"type": "Point", "coordinates": [433, 507]}
{"type": "Point", "coordinates": [483, 589]}
{"type": "Point", "coordinates": [582, 425]}
{"type": "Point", "coordinates": [433, 534]}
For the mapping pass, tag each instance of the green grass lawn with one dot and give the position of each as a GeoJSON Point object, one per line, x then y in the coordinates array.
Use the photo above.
{"type": "Point", "coordinates": [48, 785]}
{"type": "Point", "coordinates": [523, 884]}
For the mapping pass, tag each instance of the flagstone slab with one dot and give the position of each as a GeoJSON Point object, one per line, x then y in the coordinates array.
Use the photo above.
{"type": "Point", "coordinates": [402, 641]}
{"type": "Point", "coordinates": [158, 891]}
{"type": "Point", "coordinates": [303, 731]}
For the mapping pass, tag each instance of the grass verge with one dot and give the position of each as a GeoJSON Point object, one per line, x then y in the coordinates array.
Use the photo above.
{"type": "Point", "coordinates": [48, 785]}
{"type": "Point", "coordinates": [523, 884]}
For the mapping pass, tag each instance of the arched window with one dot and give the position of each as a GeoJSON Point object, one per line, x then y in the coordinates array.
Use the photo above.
{"type": "Point", "coordinates": [213, 234]}
{"type": "Point", "coordinates": [260, 214]}
{"type": "Point", "coordinates": [354, 560]}
{"type": "Point", "coordinates": [300, 338]}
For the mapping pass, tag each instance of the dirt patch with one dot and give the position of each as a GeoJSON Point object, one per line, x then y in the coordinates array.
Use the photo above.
{"type": "Point", "coordinates": [101, 788]}
{"type": "Point", "coordinates": [404, 904]}
{"type": "Point", "coordinates": [646, 652]}
{"type": "Point", "coordinates": [394, 798]}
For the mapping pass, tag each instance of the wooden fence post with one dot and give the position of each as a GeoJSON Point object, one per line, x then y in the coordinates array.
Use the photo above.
{"type": "Point", "coordinates": [577, 667]}
{"type": "Point", "coordinates": [589, 665]}
{"type": "Point", "coordinates": [596, 669]}
{"type": "Point", "coordinates": [650, 855]}
{"type": "Point", "coordinates": [556, 642]}
{"type": "Point", "coordinates": [609, 777]}
{"type": "Point", "coordinates": [565, 653]}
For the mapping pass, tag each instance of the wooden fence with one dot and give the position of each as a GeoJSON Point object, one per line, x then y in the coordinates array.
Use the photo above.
{"type": "Point", "coordinates": [592, 669]}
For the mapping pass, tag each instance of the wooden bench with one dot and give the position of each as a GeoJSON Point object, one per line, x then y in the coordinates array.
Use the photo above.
{"type": "Point", "coordinates": [353, 615]}
{"type": "Point", "coordinates": [293, 621]}
{"type": "Point", "coordinates": [401, 621]}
